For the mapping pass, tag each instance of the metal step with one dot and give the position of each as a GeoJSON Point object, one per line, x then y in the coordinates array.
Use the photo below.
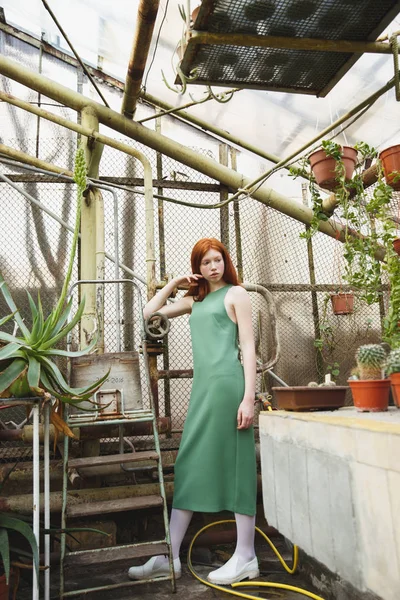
{"type": "Point", "coordinates": [131, 417]}
{"type": "Point", "coordinates": [88, 509]}
{"type": "Point", "coordinates": [85, 558]}
{"type": "Point", "coordinates": [112, 459]}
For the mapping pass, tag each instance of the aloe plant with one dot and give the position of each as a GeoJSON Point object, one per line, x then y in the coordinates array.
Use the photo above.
{"type": "Point", "coordinates": [27, 364]}
{"type": "Point", "coordinates": [8, 526]}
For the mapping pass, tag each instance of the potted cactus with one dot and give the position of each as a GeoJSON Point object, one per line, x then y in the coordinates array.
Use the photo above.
{"type": "Point", "coordinates": [393, 370]}
{"type": "Point", "coordinates": [370, 391]}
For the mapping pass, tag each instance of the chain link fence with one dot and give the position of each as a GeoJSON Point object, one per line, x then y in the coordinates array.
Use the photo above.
{"type": "Point", "coordinates": [34, 253]}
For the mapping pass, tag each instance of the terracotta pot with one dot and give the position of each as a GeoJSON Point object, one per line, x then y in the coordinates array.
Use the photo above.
{"type": "Point", "coordinates": [323, 166]}
{"type": "Point", "coordinates": [395, 383]}
{"type": "Point", "coordinates": [4, 588]}
{"type": "Point", "coordinates": [304, 398]}
{"type": "Point", "coordinates": [370, 395]}
{"type": "Point", "coordinates": [342, 304]}
{"type": "Point", "coordinates": [391, 165]}
{"type": "Point", "coordinates": [396, 245]}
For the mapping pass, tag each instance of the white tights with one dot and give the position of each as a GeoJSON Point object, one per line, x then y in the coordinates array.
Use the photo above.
{"type": "Point", "coordinates": [244, 551]}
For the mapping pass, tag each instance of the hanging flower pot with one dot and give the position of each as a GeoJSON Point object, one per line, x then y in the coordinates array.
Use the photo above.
{"type": "Point", "coordinates": [390, 159]}
{"type": "Point", "coordinates": [370, 395]}
{"type": "Point", "coordinates": [342, 304]}
{"type": "Point", "coordinates": [395, 384]}
{"type": "Point", "coordinates": [323, 166]}
{"type": "Point", "coordinates": [396, 245]}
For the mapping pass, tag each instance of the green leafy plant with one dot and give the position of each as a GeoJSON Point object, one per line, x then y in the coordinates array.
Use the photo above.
{"type": "Point", "coordinates": [333, 370]}
{"type": "Point", "coordinates": [10, 527]}
{"type": "Point", "coordinates": [369, 229]}
{"type": "Point", "coordinates": [325, 344]}
{"type": "Point", "coordinates": [27, 364]}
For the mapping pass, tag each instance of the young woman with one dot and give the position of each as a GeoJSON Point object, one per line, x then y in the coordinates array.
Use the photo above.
{"type": "Point", "coordinates": [216, 467]}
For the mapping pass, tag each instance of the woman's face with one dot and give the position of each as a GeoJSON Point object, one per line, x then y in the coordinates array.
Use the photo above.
{"type": "Point", "coordinates": [212, 266]}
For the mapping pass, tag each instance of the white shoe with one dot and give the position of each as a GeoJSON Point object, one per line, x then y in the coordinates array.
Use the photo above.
{"type": "Point", "coordinates": [151, 569]}
{"type": "Point", "coordinates": [231, 572]}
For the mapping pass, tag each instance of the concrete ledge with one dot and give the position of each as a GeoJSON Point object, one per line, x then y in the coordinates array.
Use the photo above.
{"type": "Point", "coordinates": [331, 484]}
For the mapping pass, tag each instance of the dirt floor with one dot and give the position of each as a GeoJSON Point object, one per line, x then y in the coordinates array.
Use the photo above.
{"type": "Point", "coordinates": [188, 588]}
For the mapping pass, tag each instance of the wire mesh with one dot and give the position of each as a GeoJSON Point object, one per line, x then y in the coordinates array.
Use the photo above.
{"type": "Point", "coordinates": [34, 250]}
{"type": "Point", "coordinates": [279, 69]}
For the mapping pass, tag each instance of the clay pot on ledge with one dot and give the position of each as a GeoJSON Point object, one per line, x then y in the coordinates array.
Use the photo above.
{"type": "Point", "coordinates": [396, 245]}
{"type": "Point", "coordinates": [323, 167]}
{"type": "Point", "coordinates": [342, 304]}
{"type": "Point", "coordinates": [390, 159]}
{"type": "Point", "coordinates": [370, 395]}
{"type": "Point", "coordinates": [395, 383]}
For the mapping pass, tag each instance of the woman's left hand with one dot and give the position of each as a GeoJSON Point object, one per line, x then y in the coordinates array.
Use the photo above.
{"type": "Point", "coordinates": [245, 414]}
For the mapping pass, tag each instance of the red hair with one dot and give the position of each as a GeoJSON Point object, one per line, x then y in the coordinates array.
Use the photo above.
{"type": "Point", "coordinates": [200, 289]}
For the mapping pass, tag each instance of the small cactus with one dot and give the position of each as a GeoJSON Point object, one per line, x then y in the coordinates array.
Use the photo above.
{"type": "Point", "coordinates": [370, 361]}
{"type": "Point", "coordinates": [393, 362]}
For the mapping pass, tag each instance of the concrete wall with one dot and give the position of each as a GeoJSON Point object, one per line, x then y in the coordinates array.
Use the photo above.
{"type": "Point", "coordinates": [331, 484]}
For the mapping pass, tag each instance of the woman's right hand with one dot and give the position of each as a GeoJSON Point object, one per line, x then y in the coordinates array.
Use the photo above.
{"type": "Point", "coordinates": [190, 278]}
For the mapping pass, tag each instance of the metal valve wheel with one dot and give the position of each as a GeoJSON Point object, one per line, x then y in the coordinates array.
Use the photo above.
{"type": "Point", "coordinates": [157, 326]}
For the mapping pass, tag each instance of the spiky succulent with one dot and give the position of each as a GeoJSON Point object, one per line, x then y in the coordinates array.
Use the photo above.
{"type": "Point", "coordinates": [393, 362]}
{"type": "Point", "coordinates": [26, 362]}
{"type": "Point", "coordinates": [370, 361]}
{"type": "Point", "coordinates": [8, 526]}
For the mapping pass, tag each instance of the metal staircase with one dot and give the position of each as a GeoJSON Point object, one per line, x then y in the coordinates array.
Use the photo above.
{"type": "Point", "coordinates": [120, 416]}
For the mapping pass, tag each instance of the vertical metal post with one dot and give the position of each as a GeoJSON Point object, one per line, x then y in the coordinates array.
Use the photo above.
{"type": "Point", "coordinates": [47, 409]}
{"type": "Point", "coordinates": [236, 216]}
{"type": "Point", "coordinates": [92, 237]}
{"type": "Point", "coordinates": [39, 96]}
{"type": "Point", "coordinates": [314, 298]}
{"type": "Point", "coordinates": [64, 506]}
{"type": "Point", "coordinates": [116, 267]}
{"type": "Point", "coordinates": [161, 233]}
{"type": "Point", "coordinates": [223, 195]}
{"type": "Point", "coordinates": [36, 492]}
{"type": "Point", "coordinates": [151, 266]}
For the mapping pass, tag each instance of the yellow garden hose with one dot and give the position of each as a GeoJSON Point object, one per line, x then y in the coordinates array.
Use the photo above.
{"type": "Point", "coordinates": [283, 586]}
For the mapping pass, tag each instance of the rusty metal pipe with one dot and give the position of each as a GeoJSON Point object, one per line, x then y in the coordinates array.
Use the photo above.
{"type": "Point", "coordinates": [108, 431]}
{"type": "Point", "coordinates": [86, 433]}
{"type": "Point", "coordinates": [146, 18]}
{"type": "Point", "coordinates": [25, 434]}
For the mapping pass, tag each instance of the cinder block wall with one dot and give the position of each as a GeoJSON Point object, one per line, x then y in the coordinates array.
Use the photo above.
{"type": "Point", "coordinates": [331, 485]}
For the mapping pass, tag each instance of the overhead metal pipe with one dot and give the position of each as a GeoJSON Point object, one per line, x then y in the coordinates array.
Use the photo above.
{"type": "Point", "coordinates": [159, 142]}
{"type": "Point", "coordinates": [146, 18]}
{"type": "Point", "coordinates": [209, 127]}
{"type": "Point", "coordinates": [292, 43]}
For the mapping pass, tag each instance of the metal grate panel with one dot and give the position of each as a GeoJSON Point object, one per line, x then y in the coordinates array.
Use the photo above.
{"type": "Point", "coordinates": [302, 71]}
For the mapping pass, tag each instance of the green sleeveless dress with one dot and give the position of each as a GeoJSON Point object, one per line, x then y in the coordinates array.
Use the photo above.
{"type": "Point", "coordinates": [215, 468]}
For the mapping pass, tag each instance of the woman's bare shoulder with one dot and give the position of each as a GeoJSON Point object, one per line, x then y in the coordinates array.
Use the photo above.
{"type": "Point", "coordinates": [238, 292]}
